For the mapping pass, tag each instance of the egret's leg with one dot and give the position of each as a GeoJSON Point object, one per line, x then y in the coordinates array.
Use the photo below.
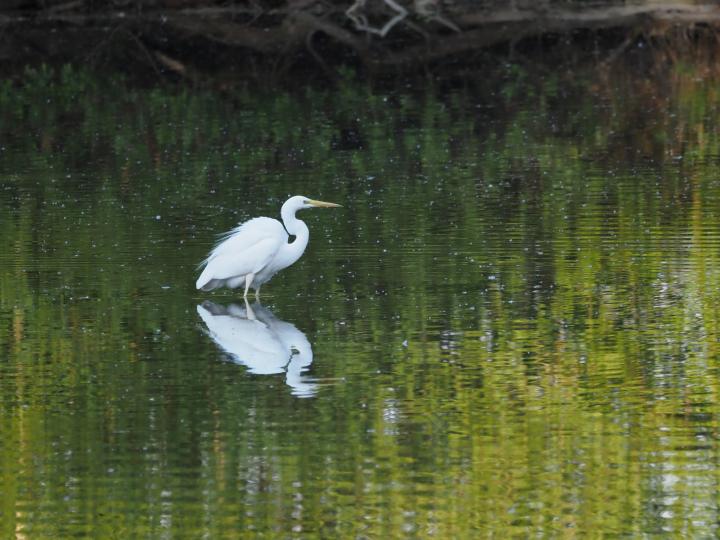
{"type": "Point", "coordinates": [248, 280]}
{"type": "Point", "coordinates": [257, 293]}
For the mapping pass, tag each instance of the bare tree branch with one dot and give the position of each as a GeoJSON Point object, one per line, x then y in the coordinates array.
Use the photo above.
{"type": "Point", "coordinates": [358, 17]}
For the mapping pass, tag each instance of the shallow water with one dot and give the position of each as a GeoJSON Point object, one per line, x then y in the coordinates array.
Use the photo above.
{"type": "Point", "coordinates": [510, 329]}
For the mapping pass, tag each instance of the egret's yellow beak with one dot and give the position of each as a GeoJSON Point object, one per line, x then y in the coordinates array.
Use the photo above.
{"type": "Point", "coordinates": [323, 204]}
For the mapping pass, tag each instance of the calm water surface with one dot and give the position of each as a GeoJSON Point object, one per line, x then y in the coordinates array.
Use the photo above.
{"type": "Point", "coordinates": [510, 329]}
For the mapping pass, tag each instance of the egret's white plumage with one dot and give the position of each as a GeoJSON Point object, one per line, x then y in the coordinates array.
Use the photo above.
{"type": "Point", "coordinates": [256, 250]}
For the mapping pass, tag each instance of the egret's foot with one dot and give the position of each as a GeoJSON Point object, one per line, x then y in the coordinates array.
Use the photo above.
{"type": "Point", "coordinates": [248, 281]}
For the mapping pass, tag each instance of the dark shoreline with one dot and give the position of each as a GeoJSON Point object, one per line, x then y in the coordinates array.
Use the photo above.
{"type": "Point", "coordinates": [297, 43]}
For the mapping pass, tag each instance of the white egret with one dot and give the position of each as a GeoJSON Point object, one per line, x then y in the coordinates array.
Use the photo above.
{"type": "Point", "coordinates": [256, 250]}
{"type": "Point", "coordinates": [254, 337]}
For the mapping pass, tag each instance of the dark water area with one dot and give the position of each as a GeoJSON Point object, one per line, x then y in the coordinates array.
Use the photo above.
{"type": "Point", "coordinates": [510, 329]}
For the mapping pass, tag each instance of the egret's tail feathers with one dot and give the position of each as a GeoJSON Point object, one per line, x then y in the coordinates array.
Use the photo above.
{"type": "Point", "coordinates": [209, 286]}
{"type": "Point", "coordinates": [205, 281]}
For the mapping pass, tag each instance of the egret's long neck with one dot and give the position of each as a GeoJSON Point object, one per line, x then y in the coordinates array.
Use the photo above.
{"type": "Point", "coordinates": [292, 251]}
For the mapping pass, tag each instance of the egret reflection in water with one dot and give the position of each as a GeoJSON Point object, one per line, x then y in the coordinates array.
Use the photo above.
{"type": "Point", "coordinates": [254, 337]}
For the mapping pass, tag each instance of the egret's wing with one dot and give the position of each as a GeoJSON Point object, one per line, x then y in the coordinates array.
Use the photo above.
{"type": "Point", "coordinates": [246, 234]}
{"type": "Point", "coordinates": [246, 249]}
{"type": "Point", "coordinates": [251, 260]}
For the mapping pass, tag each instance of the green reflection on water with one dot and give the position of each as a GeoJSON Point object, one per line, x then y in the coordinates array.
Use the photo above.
{"type": "Point", "coordinates": [513, 321]}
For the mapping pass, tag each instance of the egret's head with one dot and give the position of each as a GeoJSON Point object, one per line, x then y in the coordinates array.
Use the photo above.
{"type": "Point", "coordinates": [310, 203]}
{"type": "Point", "coordinates": [300, 203]}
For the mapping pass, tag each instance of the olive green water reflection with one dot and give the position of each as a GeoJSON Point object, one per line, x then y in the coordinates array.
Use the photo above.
{"type": "Point", "coordinates": [511, 328]}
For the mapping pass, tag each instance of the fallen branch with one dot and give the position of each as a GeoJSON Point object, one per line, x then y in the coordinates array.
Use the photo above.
{"type": "Point", "coordinates": [357, 16]}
